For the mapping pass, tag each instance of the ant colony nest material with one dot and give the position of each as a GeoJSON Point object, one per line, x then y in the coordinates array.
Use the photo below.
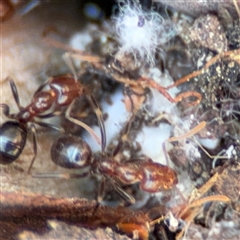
{"type": "Point", "coordinates": [125, 122]}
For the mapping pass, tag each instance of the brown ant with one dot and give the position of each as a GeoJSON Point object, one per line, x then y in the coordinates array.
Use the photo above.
{"type": "Point", "coordinates": [72, 152]}
{"type": "Point", "coordinates": [62, 91]}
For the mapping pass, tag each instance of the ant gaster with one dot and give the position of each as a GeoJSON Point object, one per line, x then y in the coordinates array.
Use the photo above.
{"type": "Point", "coordinates": [62, 91]}
{"type": "Point", "coordinates": [72, 152]}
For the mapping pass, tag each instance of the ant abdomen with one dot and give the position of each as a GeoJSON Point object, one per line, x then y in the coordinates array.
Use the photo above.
{"type": "Point", "coordinates": [71, 152]}
{"type": "Point", "coordinates": [13, 136]}
{"type": "Point", "coordinates": [157, 177]}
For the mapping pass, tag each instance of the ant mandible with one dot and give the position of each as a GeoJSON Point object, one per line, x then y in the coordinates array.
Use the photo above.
{"type": "Point", "coordinates": [62, 91]}
{"type": "Point", "coordinates": [72, 152]}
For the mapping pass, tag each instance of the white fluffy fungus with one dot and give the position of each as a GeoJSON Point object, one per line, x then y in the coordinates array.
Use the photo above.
{"type": "Point", "coordinates": [117, 116]}
{"type": "Point", "coordinates": [140, 32]}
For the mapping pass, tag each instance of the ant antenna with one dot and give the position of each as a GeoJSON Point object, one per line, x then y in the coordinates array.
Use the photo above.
{"type": "Point", "coordinates": [14, 92]}
{"type": "Point", "coordinates": [98, 112]}
{"type": "Point", "coordinates": [80, 123]}
{"type": "Point", "coordinates": [237, 8]}
{"type": "Point", "coordinates": [124, 137]}
{"type": "Point", "coordinates": [70, 63]}
{"type": "Point", "coordinates": [34, 140]}
{"type": "Point", "coordinates": [193, 131]}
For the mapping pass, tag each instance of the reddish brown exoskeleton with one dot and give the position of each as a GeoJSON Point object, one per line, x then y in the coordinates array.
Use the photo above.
{"type": "Point", "coordinates": [72, 152]}
{"type": "Point", "coordinates": [60, 91]}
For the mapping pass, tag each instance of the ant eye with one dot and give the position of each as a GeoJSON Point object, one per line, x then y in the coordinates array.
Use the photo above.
{"type": "Point", "coordinates": [70, 152]}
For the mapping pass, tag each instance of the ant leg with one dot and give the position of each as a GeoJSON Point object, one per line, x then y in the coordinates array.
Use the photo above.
{"type": "Point", "coordinates": [123, 194]}
{"type": "Point", "coordinates": [101, 191]}
{"type": "Point", "coordinates": [195, 94]}
{"type": "Point", "coordinates": [189, 134]}
{"type": "Point", "coordinates": [116, 187]}
{"type": "Point", "coordinates": [163, 116]}
{"type": "Point", "coordinates": [50, 115]}
{"type": "Point", "coordinates": [124, 137]}
{"type": "Point", "coordinates": [76, 53]}
{"type": "Point", "coordinates": [41, 87]}
{"type": "Point", "coordinates": [232, 54]}
{"type": "Point", "coordinates": [197, 193]}
{"type": "Point", "coordinates": [209, 155]}
{"type": "Point", "coordinates": [201, 201]}
{"type": "Point", "coordinates": [193, 131]}
{"type": "Point", "coordinates": [67, 57]}
{"type": "Point", "coordinates": [99, 115]}
{"type": "Point", "coordinates": [15, 92]}
{"type": "Point", "coordinates": [6, 110]}
{"type": "Point", "coordinates": [166, 154]}
{"type": "Point", "coordinates": [100, 195]}
{"type": "Point", "coordinates": [147, 82]}
{"type": "Point", "coordinates": [80, 123]}
{"type": "Point", "coordinates": [163, 91]}
{"type": "Point", "coordinates": [83, 56]}
{"type": "Point", "coordinates": [34, 140]}
{"type": "Point", "coordinates": [51, 126]}
{"type": "Point", "coordinates": [237, 8]}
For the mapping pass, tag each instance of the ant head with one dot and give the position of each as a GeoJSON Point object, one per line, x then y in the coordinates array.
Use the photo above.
{"type": "Point", "coordinates": [71, 152]}
{"type": "Point", "coordinates": [13, 136]}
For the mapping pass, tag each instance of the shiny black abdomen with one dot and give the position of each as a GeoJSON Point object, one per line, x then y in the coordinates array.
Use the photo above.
{"type": "Point", "coordinates": [13, 136]}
